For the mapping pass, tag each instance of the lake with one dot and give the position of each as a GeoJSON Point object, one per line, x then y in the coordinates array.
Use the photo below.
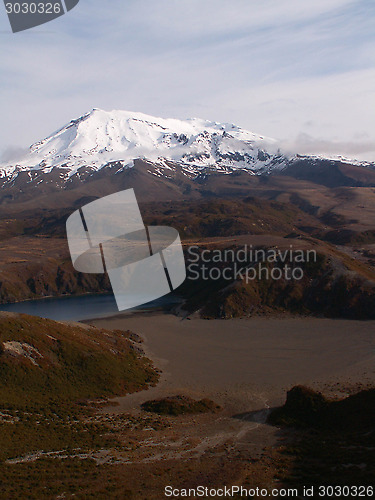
{"type": "Point", "coordinates": [76, 308]}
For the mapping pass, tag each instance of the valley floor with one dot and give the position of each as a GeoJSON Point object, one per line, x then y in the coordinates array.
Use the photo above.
{"type": "Point", "coordinates": [249, 364]}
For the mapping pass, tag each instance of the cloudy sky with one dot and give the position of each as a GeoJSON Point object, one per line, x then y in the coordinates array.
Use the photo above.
{"type": "Point", "coordinates": [300, 71]}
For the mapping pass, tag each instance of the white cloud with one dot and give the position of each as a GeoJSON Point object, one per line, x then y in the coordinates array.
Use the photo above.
{"type": "Point", "coordinates": [306, 144]}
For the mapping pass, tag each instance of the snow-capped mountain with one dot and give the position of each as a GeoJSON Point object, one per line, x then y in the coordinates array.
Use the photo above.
{"type": "Point", "coordinates": [99, 138]}
{"type": "Point", "coordinates": [101, 152]}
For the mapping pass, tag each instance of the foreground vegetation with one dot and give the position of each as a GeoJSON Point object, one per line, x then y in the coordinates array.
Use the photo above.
{"type": "Point", "coordinates": [52, 374]}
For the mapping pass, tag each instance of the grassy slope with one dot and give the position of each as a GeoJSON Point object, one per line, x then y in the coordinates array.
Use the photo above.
{"type": "Point", "coordinates": [74, 363]}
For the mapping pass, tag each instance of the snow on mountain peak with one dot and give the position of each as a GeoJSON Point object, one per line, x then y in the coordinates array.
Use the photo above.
{"type": "Point", "coordinates": [100, 137]}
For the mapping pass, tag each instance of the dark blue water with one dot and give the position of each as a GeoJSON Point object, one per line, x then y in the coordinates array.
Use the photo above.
{"type": "Point", "coordinates": [83, 307]}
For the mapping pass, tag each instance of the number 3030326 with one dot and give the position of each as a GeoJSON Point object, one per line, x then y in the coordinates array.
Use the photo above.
{"type": "Point", "coordinates": [33, 8]}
